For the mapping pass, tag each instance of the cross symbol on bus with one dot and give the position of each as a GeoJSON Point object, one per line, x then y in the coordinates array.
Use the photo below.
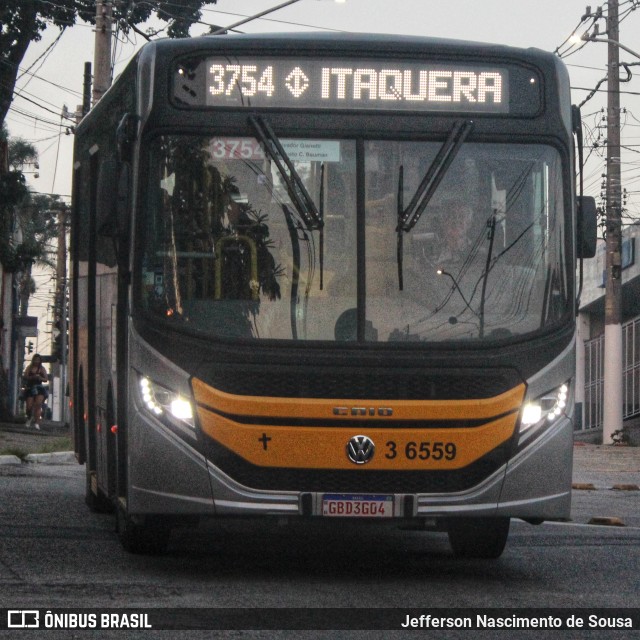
{"type": "Point", "coordinates": [264, 440]}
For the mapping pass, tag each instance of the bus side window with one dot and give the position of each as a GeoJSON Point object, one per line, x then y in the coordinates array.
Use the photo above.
{"type": "Point", "coordinates": [106, 214]}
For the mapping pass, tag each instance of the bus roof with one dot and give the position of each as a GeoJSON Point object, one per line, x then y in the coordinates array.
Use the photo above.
{"type": "Point", "coordinates": [329, 41]}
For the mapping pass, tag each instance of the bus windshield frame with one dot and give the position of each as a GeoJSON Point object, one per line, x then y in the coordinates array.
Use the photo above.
{"type": "Point", "coordinates": [225, 254]}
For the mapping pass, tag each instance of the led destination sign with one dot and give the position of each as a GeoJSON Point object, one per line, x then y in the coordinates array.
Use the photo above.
{"type": "Point", "coordinates": [356, 84]}
{"type": "Point", "coordinates": [288, 83]}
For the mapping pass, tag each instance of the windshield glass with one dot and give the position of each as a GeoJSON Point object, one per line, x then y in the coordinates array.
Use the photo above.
{"type": "Point", "coordinates": [226, 253]}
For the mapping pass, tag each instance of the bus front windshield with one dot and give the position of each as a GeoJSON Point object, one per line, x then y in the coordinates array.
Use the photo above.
{"type": "Point", "coordinates": [227, 250]}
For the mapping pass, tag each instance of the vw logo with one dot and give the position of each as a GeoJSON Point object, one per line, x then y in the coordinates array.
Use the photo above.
{"type": "Point", "coordinates": [360, 449]}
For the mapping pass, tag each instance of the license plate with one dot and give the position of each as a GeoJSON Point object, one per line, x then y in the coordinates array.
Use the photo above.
{"type": "Point", "coordinates": [357, 506]}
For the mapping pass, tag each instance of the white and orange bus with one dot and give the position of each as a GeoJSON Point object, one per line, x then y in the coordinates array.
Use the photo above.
{"type": "Point", "coordinates": [323, 276]}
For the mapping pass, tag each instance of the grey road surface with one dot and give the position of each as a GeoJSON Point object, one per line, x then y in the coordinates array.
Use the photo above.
{"type": "Point", "coordinates": [55, 553]}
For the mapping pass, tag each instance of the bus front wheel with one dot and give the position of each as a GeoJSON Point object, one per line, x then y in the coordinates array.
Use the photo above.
{"type": "Point", "coordinates": [148, 535]}
{"type": "Point", "coordinates": [478, 537]}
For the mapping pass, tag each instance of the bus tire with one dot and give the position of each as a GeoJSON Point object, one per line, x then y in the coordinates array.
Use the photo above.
{"type": "Point", "coordinates": [99, 503]}
{"type": "Point", "coordinates": [147, 535]}
{"type": "Point", "coordinates": [478, 537]}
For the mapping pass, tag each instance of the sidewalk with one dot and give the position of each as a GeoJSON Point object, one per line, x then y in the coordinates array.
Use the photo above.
{"type": "Point", "coordinates": [20, 443]}
{"type": "Point", "coordinates": [606, 466]}
{"type": "Point", "coordinates": [606, 483]}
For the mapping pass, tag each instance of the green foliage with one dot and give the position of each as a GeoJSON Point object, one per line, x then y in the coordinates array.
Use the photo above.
{"type": "Point", "coordinates": [24, 21]}
{"type": "Point", "coordinates": [35, 215]}
{"type": "Point", "coordinates": [180, 15]}
{"type": "Point", "coordinates": [21, 152]}
{"type": "Point", "coordinates": [55, 445]}
{"type": "Point", "coordinates": [14, 451]}
{"type": "Point", "coordinates": [621, 436]}
{"type": "Point", "coordinates": [38, 219]}
{"type": "Point", "coordinates": [12, 191]}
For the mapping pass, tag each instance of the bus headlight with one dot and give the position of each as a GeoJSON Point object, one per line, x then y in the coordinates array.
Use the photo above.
{"type": "Point", "coordinates": [166, 404]}
{"type": "Point", "coordinates": [546, 408]}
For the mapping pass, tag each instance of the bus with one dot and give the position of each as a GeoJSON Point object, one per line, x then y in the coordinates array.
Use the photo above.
{"type": "Point", "coordinates": [321, 276]}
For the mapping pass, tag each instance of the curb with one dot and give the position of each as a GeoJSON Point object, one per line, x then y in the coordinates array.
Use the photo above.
{"type": "Point", "coordinates": [59, 457]}
{"type": "Point", "coordinates": [588, 486]}
{"type": "Point", "coordinates": [583, 486]}
{"type": "Point", "coordinates": [45, 430]}
{"type": "Point", "coordinates": [607, 521]}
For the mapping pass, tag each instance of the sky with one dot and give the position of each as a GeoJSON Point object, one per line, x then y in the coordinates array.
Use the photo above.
{"type": "Point", "coordinates": [56, 65]}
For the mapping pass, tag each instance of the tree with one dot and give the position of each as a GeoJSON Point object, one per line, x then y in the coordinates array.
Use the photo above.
{"type": "Point", "coordinates": [12, 191]}
{"type": "Point", "coordinates": [19, 209]}
{"type": "Point", "coordinates": [21, 152]}
{"type": "Point", "coordinates": [23, 22]}
{"type": "Point", "coordinates": [37, 218]}
{"type": "Point", "coordinates": [34, 215]}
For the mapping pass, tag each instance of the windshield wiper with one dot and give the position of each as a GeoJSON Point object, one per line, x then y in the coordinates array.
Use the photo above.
{"type": "Point", "coordinates": [407, 218]}
{"type": "Point", "coordinates": [491, 227]}
{"type": "Point", "coordinates": [302, 201]}
{"type": "Point", "coordinates": [312, 218]}
{"type": "Point", "coordinates": [295, 272]}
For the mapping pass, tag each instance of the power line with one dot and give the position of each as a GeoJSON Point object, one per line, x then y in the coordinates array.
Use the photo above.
{"type": "Point", "coordinates": [37, 77]}
{"type": "Point", "coordinates": [629, 93]}
{"type": "Point", "coordinates": [33, 116]}
{"type": "Point", "coordinates": [43, 56]}
{"type": "Point", "coordinates": [40, 106]}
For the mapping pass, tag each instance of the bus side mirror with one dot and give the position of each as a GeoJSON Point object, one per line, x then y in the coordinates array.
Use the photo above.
{"type": "Point", "coordinates": [587, 227]}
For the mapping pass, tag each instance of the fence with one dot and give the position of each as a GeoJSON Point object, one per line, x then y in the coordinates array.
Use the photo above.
{"type": "Point", "coordinates": [594, 375]}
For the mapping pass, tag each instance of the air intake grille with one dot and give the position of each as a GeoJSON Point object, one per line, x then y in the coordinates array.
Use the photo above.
{"type": "Point", "coordinates": [365, 385]}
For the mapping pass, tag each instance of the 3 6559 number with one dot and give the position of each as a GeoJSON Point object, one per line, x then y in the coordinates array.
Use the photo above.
{"type": "Point", "coordinates": [422, 450]}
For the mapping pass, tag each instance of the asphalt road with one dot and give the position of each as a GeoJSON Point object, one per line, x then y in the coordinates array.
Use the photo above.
{"type": "Point", "coordinates": [55, 553]}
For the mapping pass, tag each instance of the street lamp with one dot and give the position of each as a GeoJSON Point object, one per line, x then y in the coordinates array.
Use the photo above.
{"type": "Point", "coordinates": [589, 38]}
{"type": "Point", "coordinates": [259, 15]}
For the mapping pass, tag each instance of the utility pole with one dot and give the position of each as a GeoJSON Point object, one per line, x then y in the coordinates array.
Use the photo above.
{"type": "Point", "coordinates": [102, 53]}
{"type": "Point", "coordinates": [86, 90]}
{"type": "Point", "coordinates": [612, 392]}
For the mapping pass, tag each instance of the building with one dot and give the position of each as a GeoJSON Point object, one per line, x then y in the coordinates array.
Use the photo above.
{"type": "Point", "coordinates": [590, 352]}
